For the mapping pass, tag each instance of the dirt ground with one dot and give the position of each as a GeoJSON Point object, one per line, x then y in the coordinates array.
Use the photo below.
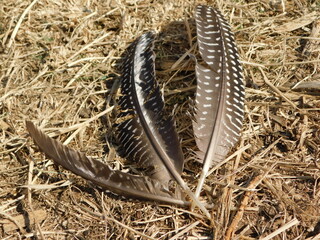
{"type": "Point", "coordinates": [58, 62]}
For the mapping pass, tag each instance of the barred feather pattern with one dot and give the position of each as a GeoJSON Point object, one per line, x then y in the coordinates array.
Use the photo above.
{"type": "Point", "coordinates": [147, 137]}
{"type": "Point", "coordinates": [101, 174]}
{"type": "Point", "coordinates": [220, 89]}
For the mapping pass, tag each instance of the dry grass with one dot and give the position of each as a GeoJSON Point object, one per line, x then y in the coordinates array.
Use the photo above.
{"type": "Point", "coordinates": [58, 63]}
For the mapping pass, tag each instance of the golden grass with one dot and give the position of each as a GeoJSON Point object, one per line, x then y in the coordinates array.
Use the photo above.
{"type": "Point", "coordinates": [58, 63]}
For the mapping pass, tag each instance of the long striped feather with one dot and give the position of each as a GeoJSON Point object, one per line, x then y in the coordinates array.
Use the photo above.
{"type": "Point", "coordinates": [147, 136]}
{"type": "Point", "coordinates": [100, 173]}
{"type": "Point", "coordinates": [220, 90]}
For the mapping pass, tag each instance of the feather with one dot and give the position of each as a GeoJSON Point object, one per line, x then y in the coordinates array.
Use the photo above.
{"type": "Point", "coordinates": [220, 90]}
{"type": "Point", "coordinates": [147, 136]}
{"type": "Point", "coordinates": [100, 173]}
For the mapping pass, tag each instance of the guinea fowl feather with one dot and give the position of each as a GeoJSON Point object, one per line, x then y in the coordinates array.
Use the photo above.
{"type": "Point", "coordinates": [220, 90]}
{"type": "Point", "coordinates": [100, 173]}
{"type": "Point", "coordinates": [146, 135]}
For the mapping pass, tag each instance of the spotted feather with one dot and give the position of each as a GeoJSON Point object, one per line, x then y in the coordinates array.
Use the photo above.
{"type": "Point", "coordinates": [220, 90]}
{"type": "Point", "coordinates": [146, 135]}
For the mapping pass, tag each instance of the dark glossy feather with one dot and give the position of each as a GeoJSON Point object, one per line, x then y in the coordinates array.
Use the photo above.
{"type": "Point", "coordinates": [100, 173]}
{"type": "Point", "coordinates": [147, 137]}
{"type": "Point", "coordinates": [220, 90]}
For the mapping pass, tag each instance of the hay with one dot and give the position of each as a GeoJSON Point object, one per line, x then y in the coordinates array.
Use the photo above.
{"type": "Point", "coordinates": [59, 61]}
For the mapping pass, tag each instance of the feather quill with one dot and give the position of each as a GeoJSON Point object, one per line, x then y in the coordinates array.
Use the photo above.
{"type": "Point", "coordinates": [220, 90]}
{"type": "Point", "coordinates": [146, 135]}
{"type": "Point", "coordinates": [124, 184]}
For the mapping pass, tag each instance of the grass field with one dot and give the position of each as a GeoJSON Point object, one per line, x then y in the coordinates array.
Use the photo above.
{"type": "Point", "coordinates": [58, 62]}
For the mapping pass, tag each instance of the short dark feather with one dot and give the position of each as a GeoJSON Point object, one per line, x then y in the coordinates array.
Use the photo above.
{"type": "Point", "coordinates": [100, 173]}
